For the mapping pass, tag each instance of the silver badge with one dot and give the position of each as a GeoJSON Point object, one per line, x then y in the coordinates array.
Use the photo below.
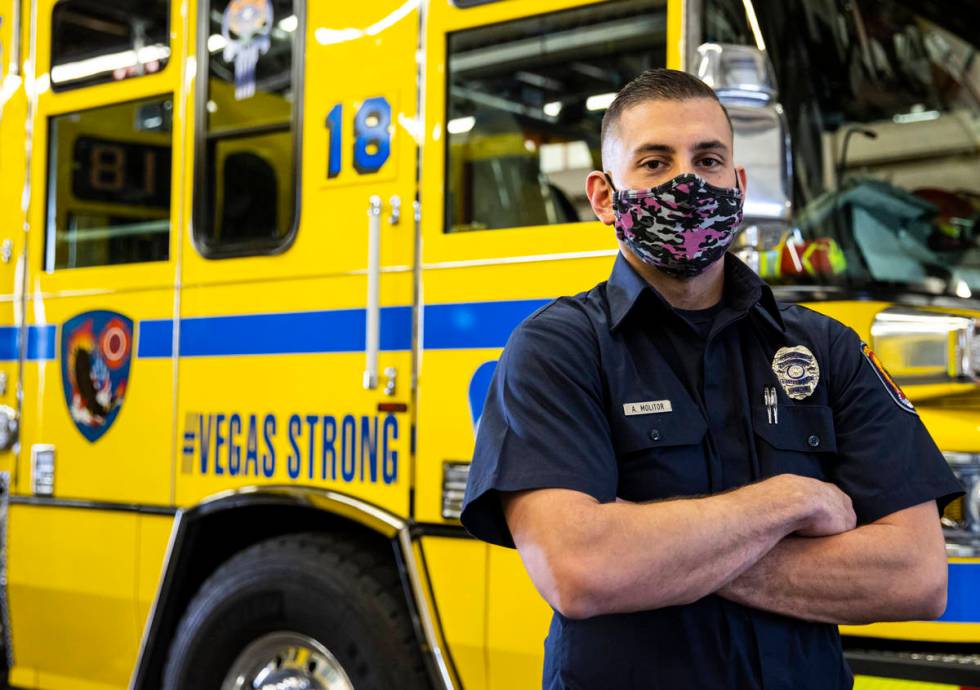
{"type": "Point", "coordinates": [797, 371]}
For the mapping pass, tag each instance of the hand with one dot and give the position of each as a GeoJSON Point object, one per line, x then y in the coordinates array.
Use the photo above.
{"type": "Point", "coordinates": [827, 509]}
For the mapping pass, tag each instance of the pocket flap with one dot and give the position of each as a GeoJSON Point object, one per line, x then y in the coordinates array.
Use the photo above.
{"type": "Point", "coordinates": [804, 428]}
{"type": "Point", "coordinates": [659, 431]}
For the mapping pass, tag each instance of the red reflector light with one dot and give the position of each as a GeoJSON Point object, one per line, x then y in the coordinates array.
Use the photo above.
{"type": "Point", "coordinates": [392, 407]}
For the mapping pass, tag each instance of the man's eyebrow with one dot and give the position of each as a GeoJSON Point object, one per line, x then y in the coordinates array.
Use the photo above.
{"type": "Point", "coordinates": [652, 148]}
{"type": "Point", "coordinates": [708, 145]}
{"type": "Point", "coordinates": [711, 145]}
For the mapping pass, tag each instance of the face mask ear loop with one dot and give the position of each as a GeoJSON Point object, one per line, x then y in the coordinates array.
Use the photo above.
{"type": "Point", "coordinates": [609, 180]}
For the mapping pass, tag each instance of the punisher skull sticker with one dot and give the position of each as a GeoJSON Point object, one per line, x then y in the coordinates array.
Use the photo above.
{"type": "Point", "coordinates": [245, 26]}
{"type": "Point", "coordinates": [796, 370]}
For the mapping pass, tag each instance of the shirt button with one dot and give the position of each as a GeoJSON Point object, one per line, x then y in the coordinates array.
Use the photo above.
{"type": "Point", "coordinates": [813, 441]}
{"type": "Point", "coordinates": [655, 434]}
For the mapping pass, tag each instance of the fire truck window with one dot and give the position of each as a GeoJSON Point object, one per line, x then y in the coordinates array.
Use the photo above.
{"type": "Point", "coordinates": [109, 185]}
{"type": "Point", "coordinates": [525, 102]}
{"type": "Point", "coordinates": [247, 167]}
{"type": "Point", "coordinates": [108, 40]}
{"type": "Point", "coordinates": [886, 152]}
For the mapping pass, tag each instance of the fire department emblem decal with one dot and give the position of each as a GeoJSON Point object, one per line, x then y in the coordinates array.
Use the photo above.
{"type": "Point", "coordinates": [96, 347]}
{"type": "Point", "coordinates": [245, 26]}
{"type": "Point", "coordinates": [797, 371]}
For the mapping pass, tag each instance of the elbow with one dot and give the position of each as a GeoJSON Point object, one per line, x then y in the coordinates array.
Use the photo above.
{"type": "Point", "coordinates": [936, 605]}
{"type": "Point", "coordinates": [574, 590]}
{"type": "Point", "coordinates": [574, 605]}
{"type": "Point", "coordinates": [927, 600]}
{"type": "Point", "coordinates": [932, 599]}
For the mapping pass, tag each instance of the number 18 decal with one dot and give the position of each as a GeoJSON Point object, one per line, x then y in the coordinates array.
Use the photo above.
{"type": "Point", "coordinates": [372, 137]}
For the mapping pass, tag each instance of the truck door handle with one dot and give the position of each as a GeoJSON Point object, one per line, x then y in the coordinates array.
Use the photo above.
{"type": "Point", "coordinates": [372, 335]}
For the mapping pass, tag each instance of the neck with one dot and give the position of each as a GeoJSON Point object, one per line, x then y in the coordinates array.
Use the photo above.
{"type": "Point", "coordinates": [699, 292]}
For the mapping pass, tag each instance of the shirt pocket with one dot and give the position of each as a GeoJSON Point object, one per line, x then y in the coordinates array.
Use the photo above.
{"type": "Point", "coordinates": [799, 440]}
{"type": "Point", "coordinates": [661, 456]}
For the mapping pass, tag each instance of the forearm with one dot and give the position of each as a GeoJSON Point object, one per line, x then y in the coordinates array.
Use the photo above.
{"type": "Point", "coordinates": [868, 574]}
{"type": "Point", "coordinates": [645, 556]}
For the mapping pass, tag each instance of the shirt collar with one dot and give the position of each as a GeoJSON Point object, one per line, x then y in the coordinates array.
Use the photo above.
{"type": "Point", "coordinates": [743, 287]}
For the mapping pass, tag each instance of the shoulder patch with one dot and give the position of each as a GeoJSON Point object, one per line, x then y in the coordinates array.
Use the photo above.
{"type": "Point", "coordinates": [887, 381]}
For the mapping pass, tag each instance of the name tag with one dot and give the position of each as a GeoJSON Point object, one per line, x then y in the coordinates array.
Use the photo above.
{"type": "Point", "coordinates": [649, 407]}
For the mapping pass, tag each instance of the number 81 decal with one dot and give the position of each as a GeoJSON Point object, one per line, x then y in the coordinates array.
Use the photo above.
{"type": "Point", "coordinates": [372, 137]}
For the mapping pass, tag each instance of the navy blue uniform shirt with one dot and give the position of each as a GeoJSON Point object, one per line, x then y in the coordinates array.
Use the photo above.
{"type": "Point", "coordinates": [555, 418]}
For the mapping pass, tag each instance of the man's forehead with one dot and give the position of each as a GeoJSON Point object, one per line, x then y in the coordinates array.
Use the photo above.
{"type": "Point", "coordinates": [675, 124]}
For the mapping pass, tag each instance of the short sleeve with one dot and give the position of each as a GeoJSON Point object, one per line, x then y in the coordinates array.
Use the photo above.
{"type": "Point", "coordinates": [887, 461]}
{"type": "Point", "coordinates": [543, 423]}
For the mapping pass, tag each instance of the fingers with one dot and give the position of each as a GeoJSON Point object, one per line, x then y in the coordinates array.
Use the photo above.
{"type": "Point", "coordinates": [834, 511]}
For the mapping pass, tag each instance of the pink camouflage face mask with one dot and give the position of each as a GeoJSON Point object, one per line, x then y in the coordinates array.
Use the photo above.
{"type": "Point", "coordinates": [682, 226]}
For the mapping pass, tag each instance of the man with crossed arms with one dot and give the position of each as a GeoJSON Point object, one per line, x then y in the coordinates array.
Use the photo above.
{"type": "Point", "coordinates": [701, 482]}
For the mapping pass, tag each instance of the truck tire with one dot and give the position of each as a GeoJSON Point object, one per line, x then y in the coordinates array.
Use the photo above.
{"type": "Point", "coordinates": [299, 611]}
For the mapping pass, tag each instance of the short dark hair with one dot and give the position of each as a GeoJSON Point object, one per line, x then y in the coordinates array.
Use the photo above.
{"type": "Point", "coordinates": [658, 84]}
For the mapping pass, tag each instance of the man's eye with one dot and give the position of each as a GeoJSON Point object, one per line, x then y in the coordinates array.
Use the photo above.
{"type": "Point", "coordinates": [710, 163]}
{"type": "Point", "coordinates": [653, 165]}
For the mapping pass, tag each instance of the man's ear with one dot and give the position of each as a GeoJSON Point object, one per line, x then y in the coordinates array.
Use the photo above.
{"type": "Point", "coordinates": [743, 180]}
{"type": "Point", "coordinates": [600, 196]}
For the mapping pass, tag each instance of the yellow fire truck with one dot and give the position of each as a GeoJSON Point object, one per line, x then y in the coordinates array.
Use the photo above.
{"type": "Point", "coordinates": [258, 259]}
